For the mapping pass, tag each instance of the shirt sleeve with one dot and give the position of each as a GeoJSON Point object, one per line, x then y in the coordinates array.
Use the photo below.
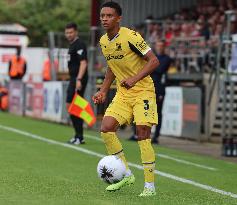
{"type": "Point", "coordinates": [81, 51]}
{"type": "Point", "coordinates": [137, 44]}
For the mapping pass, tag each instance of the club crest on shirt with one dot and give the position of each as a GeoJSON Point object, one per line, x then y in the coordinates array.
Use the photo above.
{"type": "Point", "coordinates": [118, 47]}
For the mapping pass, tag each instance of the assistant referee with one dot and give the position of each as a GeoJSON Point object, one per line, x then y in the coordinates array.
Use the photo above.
{"type": "Point", "coordinates": [77, 65]}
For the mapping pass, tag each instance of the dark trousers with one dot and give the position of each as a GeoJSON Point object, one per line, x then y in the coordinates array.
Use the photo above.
{"type": "Point", "coordinates": [159, 102]}
{"type": "Point", "coordinates": [76, 122]}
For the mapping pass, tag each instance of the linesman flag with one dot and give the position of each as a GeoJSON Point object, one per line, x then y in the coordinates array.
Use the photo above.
{"type": "Point", "coordinates": [82, 109]}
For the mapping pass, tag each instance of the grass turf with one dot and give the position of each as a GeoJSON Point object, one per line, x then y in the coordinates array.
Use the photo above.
{"type": "Point", "coordinates": [36, 172]}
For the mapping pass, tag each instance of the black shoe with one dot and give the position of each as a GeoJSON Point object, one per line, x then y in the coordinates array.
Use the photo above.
{"type": "Point", "coordinates": [155, 141]}
{"type": "Point", "coordinates": [133, 138]}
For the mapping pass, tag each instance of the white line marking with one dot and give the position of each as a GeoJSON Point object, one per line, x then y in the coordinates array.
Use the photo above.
{"type": "Point", "coordinates": [170, 176]}
{"type": "Point", "coordinates": [166, 157]}
{"type": "Point", "coordinates": [94, 138]}
{"type": "Point", "coordinates": [185, 162]}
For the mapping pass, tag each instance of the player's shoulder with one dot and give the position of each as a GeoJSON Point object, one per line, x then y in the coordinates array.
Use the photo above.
{"type": "Point", "coordinates": [103, 41]}
{"type": "Point", "coordinates": [130, 33]}
{"type": "Point", "coordinates": [103, 38]}
{"type": "Point", "coordinates": [78, 44]}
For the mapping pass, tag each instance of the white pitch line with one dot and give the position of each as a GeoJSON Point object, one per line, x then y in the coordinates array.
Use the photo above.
{"type": "Point", "coordinates": [166, 157]}
{"type": "Point", "coordinates": [186, 162]}
{"type": "Point", "coordinates": [94, 138]}
{"type": "Point", "coordinates": [170, 176]}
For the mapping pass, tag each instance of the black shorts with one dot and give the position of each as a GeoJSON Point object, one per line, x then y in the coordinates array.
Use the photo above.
{"type": "Point", "coordinates": [72, 89]}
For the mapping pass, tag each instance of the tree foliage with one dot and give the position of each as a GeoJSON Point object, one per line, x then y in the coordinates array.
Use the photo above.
{"type": "Point", "coordinates": [42, 16]}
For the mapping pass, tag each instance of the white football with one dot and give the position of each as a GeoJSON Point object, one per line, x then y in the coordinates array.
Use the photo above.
{"type": "Point", "coordinates": [111, 169]}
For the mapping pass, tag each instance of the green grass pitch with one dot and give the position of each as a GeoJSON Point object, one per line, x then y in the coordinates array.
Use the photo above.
{"type": "Point", "coordinates": [33, 171]}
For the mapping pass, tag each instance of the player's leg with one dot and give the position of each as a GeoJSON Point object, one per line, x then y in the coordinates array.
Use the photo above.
{"type": "Point", "coordinates": [145, 114]}
{"type": "Point", "coordinates": [110, 123]}
{"type": "Point", "coordinates": [109, 127]}
{"type": "Point", "coordinates": [147, 157]}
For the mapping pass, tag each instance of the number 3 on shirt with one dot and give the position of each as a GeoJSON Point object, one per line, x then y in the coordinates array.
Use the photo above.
{"type": "Point", "coordinates": [146, 104]}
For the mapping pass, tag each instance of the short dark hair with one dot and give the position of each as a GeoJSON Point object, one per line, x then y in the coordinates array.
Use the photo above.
{"type": "Point", "coordinates": [71, 25]}
{"type": "Point", "coordinates": [114, 6]}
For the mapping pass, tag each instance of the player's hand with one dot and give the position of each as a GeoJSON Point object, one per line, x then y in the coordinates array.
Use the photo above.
{"type": "Point", "coordinates": [99, 97]}
{"type": "Point", "coordinates": [128, 83]}
{"type": "Point", "coordinates": [78, 85]}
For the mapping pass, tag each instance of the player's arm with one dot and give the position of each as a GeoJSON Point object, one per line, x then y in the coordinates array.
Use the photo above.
{"type": "Point", "coordinates": [149, 67]}
{"type": "Point", "coordinates": [109, 79]}
{"type": "Point", "coordinates": [82, 69]}
{"type": "Point", "coordinates": [100, 96]}
{"type": "Point", "coordinates": [140, 47]}
{"type": "Point", "coordinates": [82, 54]}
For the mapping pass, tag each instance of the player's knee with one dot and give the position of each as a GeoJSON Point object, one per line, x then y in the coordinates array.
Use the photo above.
{"type": "Point", "coordinates": [109, 124]}
{"type": "Point", "coordinates": [143, 132]}
{"type": "Point", "coordinates": [107, 128]}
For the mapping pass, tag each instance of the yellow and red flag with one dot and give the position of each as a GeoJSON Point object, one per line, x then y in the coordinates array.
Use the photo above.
{"type": "Point", "coordinates": [82, 109]}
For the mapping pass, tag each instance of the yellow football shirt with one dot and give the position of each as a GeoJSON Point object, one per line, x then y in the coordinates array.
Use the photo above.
{"type": "Point", "coordinates": [124, 56]}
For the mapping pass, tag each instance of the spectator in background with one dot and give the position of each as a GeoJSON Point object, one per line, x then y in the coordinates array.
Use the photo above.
{"type": "Point", "coordinates": [155, 33]}
{"type": "Point", "coordinates": [47, 72]}
{"type": "Point", "coordinates": [207, 19]}
{"type": "Point", "coordinates": [203, 29]}
{"type": "Point", "coordinates": [3, 98]}
{"type": "Point", "coordinates": [185, 30]}
{"type": "Point", "coordinates": [233, 25]}
{"type": "Point", "coordinates": [77, 65]}
{"type": "Point", "coordinates": [17, 66]}
{"type": "Point", "coordinates": [176, 29]}
{"type": "Point", "coordinates": [169, 34]}
{"type": "Point", "coordinates": [159, 77]}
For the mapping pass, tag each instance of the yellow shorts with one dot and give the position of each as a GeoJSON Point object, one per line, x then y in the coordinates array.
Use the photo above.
{"type": "Point", "coordinates": [142, 109]}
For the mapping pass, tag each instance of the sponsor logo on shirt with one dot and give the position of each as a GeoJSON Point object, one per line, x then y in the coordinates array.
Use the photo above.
{"type": "Point", "coordinates": [141, 45]}
{"type": "Point", "coordinates": [110, 57]}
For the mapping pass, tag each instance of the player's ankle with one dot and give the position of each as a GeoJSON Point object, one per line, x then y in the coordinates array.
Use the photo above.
{"type": "Point", "coordinates": [128, 173]}
{"type": "Point", "coordinates": [149, 185]}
